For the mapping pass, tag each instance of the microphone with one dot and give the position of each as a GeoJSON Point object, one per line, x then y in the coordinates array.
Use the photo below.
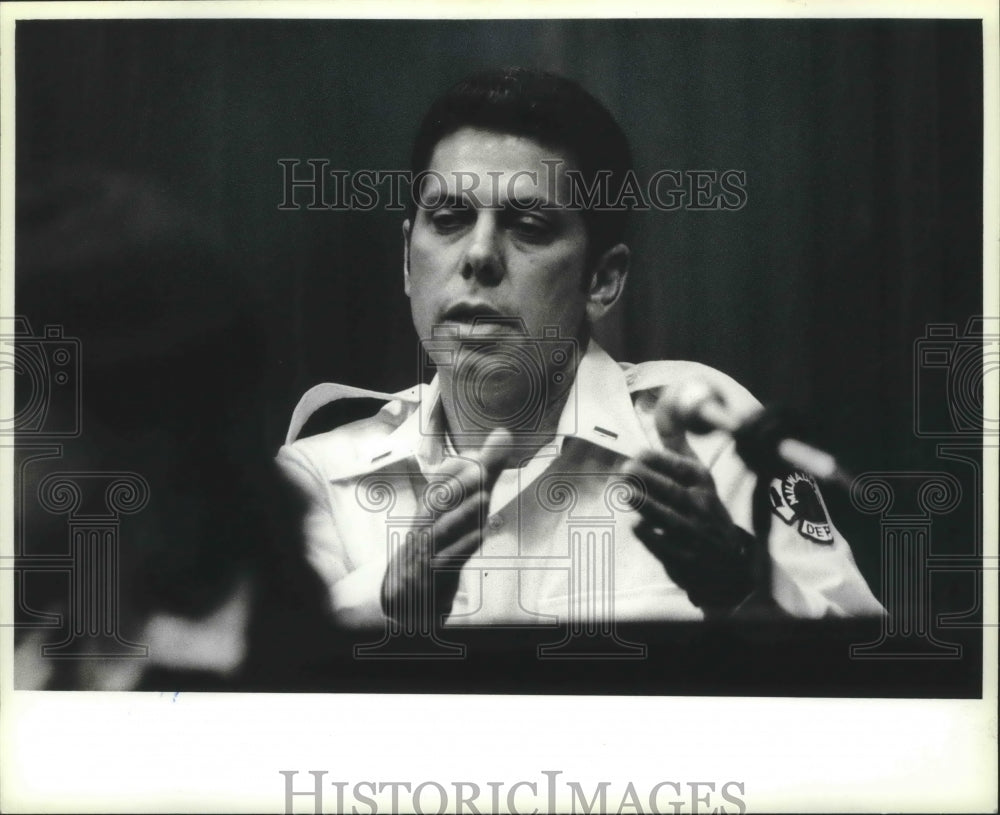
{"type": "Point", "coordinates": [760, 436]}
{"type": "Point", "coordinates": [695, 406]}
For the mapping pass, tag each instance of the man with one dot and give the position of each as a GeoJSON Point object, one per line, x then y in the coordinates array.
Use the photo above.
{"type": "Point", "coordinates": [534, 479]}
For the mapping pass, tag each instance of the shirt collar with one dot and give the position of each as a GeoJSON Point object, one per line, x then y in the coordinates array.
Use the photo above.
{"type": "Point", "coordinates": [598, 411]}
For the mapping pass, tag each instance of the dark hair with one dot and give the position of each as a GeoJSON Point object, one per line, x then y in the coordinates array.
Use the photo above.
{"type": "Point", "coordinates": [550, 109]}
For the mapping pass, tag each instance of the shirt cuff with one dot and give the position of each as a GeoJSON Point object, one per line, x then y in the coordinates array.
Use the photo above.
{"type": "Point", "coordinates": [356, 600]}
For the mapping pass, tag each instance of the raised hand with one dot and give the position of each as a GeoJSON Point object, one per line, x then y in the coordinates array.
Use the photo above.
{"type": "Point", "coordinates": [422, 576]}
{"type": "Point", "coordinates": [684, 523]}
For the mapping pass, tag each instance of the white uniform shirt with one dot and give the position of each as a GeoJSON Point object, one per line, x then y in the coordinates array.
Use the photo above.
{"type": "Point", "coordinates": [558, 543]}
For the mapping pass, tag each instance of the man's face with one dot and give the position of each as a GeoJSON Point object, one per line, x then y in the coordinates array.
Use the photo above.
{"type": "Point", "coordinates": [491, 250]}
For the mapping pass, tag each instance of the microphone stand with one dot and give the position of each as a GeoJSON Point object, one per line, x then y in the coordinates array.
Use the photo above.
{"type": "Point", "coordinates": [761, 514]}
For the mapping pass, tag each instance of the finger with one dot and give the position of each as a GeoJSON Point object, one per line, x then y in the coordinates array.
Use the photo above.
{"type": "Point", "coordinates": [452, 486]}
{"type": "Point", "coordinates": [460, 467]}
{"type": "Point", "coordinates": [495, 454]}
{"type": "Point", "coordinates": [687, 471]}
{"type": "Point", "coordinates": [672, 431]}
{"type": "Point", "coordinates": [658, 487]}
{"type": "Point", "coordinates": [414, 549]}
{"type": "Point", "coordinates": [446, 569]}
{"type": "Point", "coordinates": [462, 475]}
{"type": "Point", "coordinates": [667, 535]}
{"type": "Point", "coordinates": [676, 528]}
{"type": "Point", "coordinates": [466, 517]}
{"type": "Point", "coordinates": [678, 443]}
{"type": "Point", "coordinates": [455, 554]}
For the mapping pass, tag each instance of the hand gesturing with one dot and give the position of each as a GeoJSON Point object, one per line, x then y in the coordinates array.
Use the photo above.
{"type": "Point", "coordinates": [686, 526]}
{"type": "Point", "coordinates": [422, 576]}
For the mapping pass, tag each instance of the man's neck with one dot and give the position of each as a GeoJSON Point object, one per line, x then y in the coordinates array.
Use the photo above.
{"type": "Point", "coordinates": [469, 439]}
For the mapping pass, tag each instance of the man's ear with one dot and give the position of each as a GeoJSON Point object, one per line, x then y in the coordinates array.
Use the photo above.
{"type": "Point", "coordinates": [406, 256]}
{"type": "Point", "coordinates": [607, 281]}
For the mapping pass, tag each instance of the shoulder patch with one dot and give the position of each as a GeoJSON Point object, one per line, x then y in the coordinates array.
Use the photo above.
{"type": "Point", "coordinates": [795, 499]}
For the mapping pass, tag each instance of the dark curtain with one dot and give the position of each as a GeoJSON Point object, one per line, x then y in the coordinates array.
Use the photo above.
{"type": "Point", "coordinates": [148, 226]}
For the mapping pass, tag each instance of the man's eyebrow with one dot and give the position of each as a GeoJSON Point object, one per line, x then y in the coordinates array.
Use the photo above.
{"type": "Point", "coordinates": [513, 203]}
{"type": "Point", "coordinates": [446, 201]}
{"type": "Point", "coordinates": [523, 202]}
{"type": "Point", "coordinates": [531, 203]}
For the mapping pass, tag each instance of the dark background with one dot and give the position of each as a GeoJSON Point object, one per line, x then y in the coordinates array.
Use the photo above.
{"type": "Point", "coordinates": [148, 226]}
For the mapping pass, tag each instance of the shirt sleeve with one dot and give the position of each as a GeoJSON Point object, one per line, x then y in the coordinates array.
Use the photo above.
{"type": "Point", "coordinates": [813, 572]}
{"type": "Point", "coordinates": [354, 593]}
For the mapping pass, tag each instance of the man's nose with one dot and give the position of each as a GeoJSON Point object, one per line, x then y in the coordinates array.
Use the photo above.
{"type": "Point", "coordinates": [483, 259]}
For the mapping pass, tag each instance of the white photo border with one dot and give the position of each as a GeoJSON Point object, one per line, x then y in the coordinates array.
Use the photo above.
{"type": "Point", "coordinates": [202, 752]}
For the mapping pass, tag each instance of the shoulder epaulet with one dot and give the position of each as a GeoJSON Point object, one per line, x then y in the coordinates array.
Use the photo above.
{"type": "Point", "coordinates": [661, 372]}
{"type": "Point", "coordinates": [328, 392]}
{"type": "Point", "coordinates": [669, 372]}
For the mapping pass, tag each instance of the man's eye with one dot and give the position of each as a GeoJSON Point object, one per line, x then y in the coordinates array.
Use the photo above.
{"type": "Point", "coordinates": [448, 220]}
{"type": "Point", "coordinates": [532, 227]}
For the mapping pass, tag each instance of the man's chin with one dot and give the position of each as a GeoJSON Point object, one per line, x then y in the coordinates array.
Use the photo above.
{"type": "Point", "coordinates": [500, 397]}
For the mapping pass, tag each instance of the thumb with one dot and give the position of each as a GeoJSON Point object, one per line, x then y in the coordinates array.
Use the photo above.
{"type": "Point", "coordinates": [497, 453]}
{"type": "Point", "coordinates": [470, 472]}
{"type": "Point", "coordinates": [672, 432]}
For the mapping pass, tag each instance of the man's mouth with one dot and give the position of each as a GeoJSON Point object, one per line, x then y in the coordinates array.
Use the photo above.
{"type": "Point", "coordinates": [483, 319]}
{"type": "Point", "coordinates": [472, 312]}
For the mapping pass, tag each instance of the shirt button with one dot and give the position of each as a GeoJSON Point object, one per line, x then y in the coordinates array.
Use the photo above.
{"type": "Point", "coordinates": [496, 521]}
